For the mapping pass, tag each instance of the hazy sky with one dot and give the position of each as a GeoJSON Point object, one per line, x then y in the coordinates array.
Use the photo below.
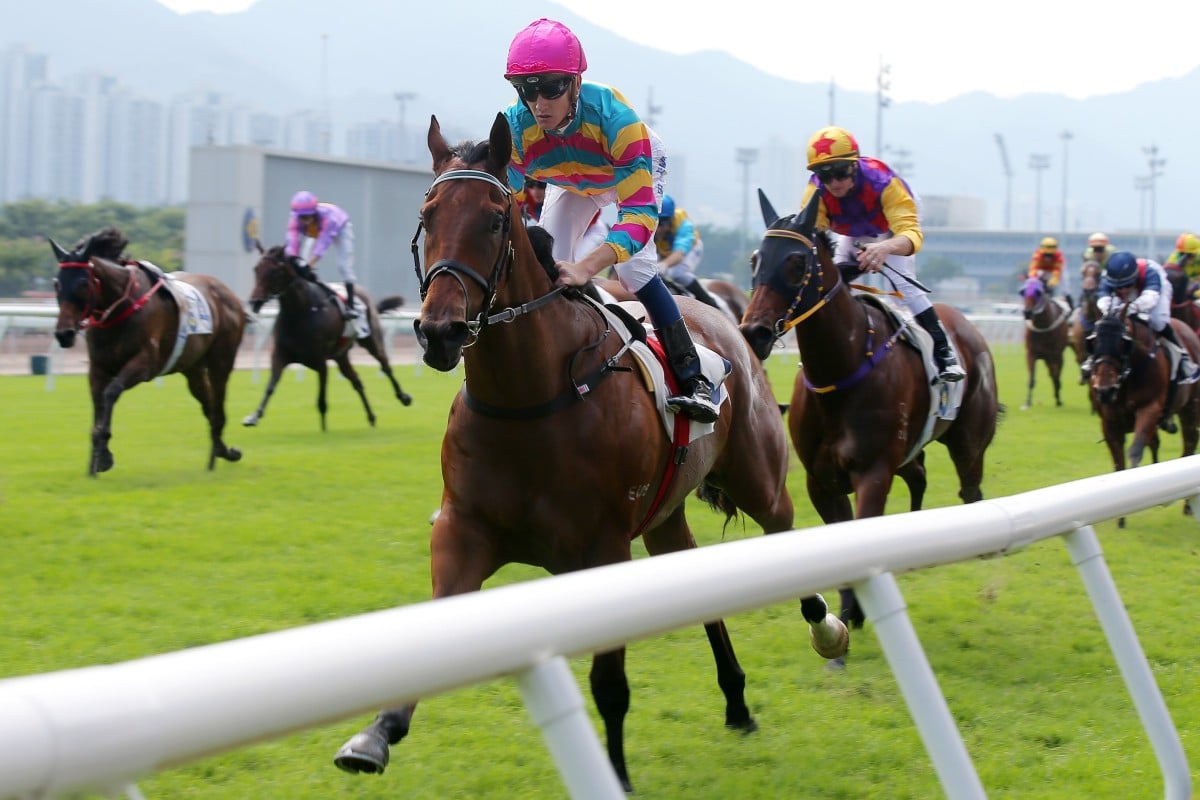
{"type": "Point", "coordinates": [934, 49]}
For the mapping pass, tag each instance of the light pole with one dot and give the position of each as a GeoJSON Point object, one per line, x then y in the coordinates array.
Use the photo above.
{"type": "Point", "coordinates": [1038, 162]}
{"type": "Point", "coordinates": [1066, 137]}
{"type": "Point", "coordinates": [746, 156]}
{"type": "Point", "coordinates": [1155, 162]}
{"type": "Point", "coordinates": [901, 165]}
{"type": "Point", "coordinates": [1008, 176]}
{"type": "Point", "coordinates": [402, 98]}
{"type": "Point", "coordinates": [1142, 184]}
{"type": "Point", "coordinates": [882, 101]}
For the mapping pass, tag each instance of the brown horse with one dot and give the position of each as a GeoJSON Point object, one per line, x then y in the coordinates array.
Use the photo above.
{"type": "Point", "coordinates": [1183, 302]}
{"type": "Point", "coordinates": [1129, 383]}
{"type": "Point", "coordinates": [862, 402]}
{"type": "Point", "coordinates": [1045, 336]}
{"type": "Point", "coordinates": [310, 330]}
{"type": "Point", "coordinates": [1083, 318]}
{"type": "Point", "coordinates": [136, 331]}
{"type": "Point", "coordinates": [554, 401]}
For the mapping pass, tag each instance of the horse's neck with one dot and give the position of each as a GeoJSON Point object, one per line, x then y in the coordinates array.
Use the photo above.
{"type": "Point", "coordinates": [832, 340]}
{"type": "Point", "coordinates": [117, 281]}
{"type": "Point", "coordinates": [299, 295]}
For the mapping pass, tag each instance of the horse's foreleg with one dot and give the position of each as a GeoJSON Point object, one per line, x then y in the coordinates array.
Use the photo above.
{"type": "Point", "coordinates": [348, 371]}
{"type": "Point", "coordinates": [1056, 379]}
{"type": "Point", "coordinates": [610, 691]}
{"type": "Point", "coordinates": [252, 419]}
{"type": "Point", "coordinates": [322, 404]}
{"type": "Point", "coordinates": [1031, 366]}
{"type": "Point", "coordinates": [104, 398]}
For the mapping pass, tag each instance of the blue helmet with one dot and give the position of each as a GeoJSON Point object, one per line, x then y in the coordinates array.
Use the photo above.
{"type": "Point", "coordinates": [668, 207]}
{"type": "Point", "coordinates": [1121, 269]}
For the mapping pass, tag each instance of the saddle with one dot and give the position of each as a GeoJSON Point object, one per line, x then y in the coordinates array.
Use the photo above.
{"type": "Point", "coordinates": [641, 341]}
{"type": "Point", "coordinates": [945, 399]}
{"type": "Point", "coordinates": [357, 328]}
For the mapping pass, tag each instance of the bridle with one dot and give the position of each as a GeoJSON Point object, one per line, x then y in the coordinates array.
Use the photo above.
{"type": "Point", "coordinates": [1044, 300]}
{"type": "Point", "coordinates": [501, 268]}
{"type": "Point", "coordinates": [796, 313]}
{"type": "Point", "coordinates": [91, 316]}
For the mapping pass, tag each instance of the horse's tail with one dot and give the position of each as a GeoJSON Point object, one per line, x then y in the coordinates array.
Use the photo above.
{"type": "Point", "coordinates": [392, 301]}
{"type": "Point", "coordinates": [718, 501]}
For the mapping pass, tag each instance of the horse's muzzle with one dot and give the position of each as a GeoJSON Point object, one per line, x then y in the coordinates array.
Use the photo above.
{"type": "Point", "coordinates": [442, 342]}
{"type": "Point", "coordinates": [760, 338]}
{"type": "Point", "coordinates": [65, 338]}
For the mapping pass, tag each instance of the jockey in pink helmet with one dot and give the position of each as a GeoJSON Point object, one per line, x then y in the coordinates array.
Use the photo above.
{"type": "Point", "coordinates": [318, 226]}
{"type": "Point", "coordinates": [593, 151]}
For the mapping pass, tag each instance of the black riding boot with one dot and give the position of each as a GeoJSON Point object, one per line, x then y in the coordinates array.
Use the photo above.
{"type": "Point", "coordinates": [700, 293]}
{"type": "Point", "coordinates": [695, 392]}
{"type": "Point", "coordinates": [349, 312]}
{"type": "Point", "coordinates": [949, 370]}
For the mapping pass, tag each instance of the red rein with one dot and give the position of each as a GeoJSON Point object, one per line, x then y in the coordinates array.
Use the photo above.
{"type": "Point", "coordinates": [92, 317]}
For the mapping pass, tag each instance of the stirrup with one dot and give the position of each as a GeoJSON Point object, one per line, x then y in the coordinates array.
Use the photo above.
{"type": "Point", "coordinates": [698, 405]}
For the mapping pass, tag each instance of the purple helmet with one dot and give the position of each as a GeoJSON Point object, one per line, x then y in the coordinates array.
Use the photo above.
{"type": "Point", "coordinates": [304, 203]}
{"type": "Point", "coordinates": [545, 46]}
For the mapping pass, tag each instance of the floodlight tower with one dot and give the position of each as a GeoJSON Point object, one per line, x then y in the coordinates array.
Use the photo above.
{"type": "Point", "coordinates": [1155, 163]}
{"type": "Point", "coordinates": [1038, 162]}
{"type": "Point", "coordinates": [1008, 176]}
{"type": "Point", "coordinates": [882, 101]}
{"type": "Point", "coordinates": [746, 156]}
{"type": "Point", "coordinates": [402, 99]}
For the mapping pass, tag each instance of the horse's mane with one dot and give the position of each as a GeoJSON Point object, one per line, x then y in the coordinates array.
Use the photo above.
{"type": "Point", "coordinates": [543, 247]}
{"type": "Point", "coordinates": [107, 243]}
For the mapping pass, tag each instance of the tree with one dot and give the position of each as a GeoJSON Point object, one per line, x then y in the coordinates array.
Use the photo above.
{"type": "Point", "coordinates": [939, 268]}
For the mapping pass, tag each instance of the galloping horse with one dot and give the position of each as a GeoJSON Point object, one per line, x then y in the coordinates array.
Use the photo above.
{"type": "Point", "coordinates": [1129, 385]}
{"type": "Point", "coordinates": [141, 323]}
{"type": "Point", "coordinates": [310, 330]}
{"type": "Point", "coordinates": [1183, 304]}
{"type": "Point", "coordinates": [862, 406]}
{"type": "Point", "coordinates": [1045, 335]}
{"type": "Point", "coordinates": [1083, 318]}
{"type": "Point", "coordinates": [553, 401]}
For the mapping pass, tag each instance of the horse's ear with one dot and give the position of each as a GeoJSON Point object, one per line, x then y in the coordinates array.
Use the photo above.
{"type": "Point", "coordinates": [768, 210]}
{"type": "Point", "coordinates": [59, 253]}
{"type": "Point", "coordinates": [499, 147]}
{"type": "Point", "coordinates": [258, 245]}
{"type": "Point", "coordinates": [438, 148]}
{"type": "Point", "coordinates": [807, 219]}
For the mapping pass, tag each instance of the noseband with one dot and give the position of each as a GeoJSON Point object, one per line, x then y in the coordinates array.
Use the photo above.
{"type": "Point", "coordinates": [457, 270]}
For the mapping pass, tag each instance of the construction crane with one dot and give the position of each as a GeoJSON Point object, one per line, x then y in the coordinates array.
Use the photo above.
{"type": "Point", "coordinates": [1008, 175]}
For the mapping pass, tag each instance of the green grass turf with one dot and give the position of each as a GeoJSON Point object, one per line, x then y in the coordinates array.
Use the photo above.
{"type": "Point", "coordinates": [160, 554]}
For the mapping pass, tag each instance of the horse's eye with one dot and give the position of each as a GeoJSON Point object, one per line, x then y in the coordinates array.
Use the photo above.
{"type": "Point", "coordinates": [794, 268]}
{"type": "Point", "coordinates": [755, 260]}
{"type": "Point", "coordinates": [497, 222]}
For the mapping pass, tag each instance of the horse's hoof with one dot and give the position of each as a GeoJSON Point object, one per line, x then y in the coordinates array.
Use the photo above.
{"type": "Point", "coordinates": [232, 454]}
{"type": "Point", "coordinates": [746, 726]}
{"type": "Point", "coordinates": [836, 664]}
{"type": "Point", "coordinates": [406, 399]}
{"type": "Point", "coordinates": [250, 421]}
{"type": "Point", "coordinates": [365, 752]}
{"type": "Point", "coordinates": [102, 463]}
{"type": "Point", "coordinates": [830, 637]}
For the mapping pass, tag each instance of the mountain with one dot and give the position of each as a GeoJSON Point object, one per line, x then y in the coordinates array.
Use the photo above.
{"type": "Point", "coordinates": [352, 57]}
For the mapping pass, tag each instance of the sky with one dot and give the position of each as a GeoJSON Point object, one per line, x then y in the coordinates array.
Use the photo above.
{"type": "Point", "coordinates": [925, 50]}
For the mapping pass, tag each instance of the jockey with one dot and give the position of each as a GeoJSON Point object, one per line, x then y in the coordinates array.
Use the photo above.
{"type": "Point", "coordinates": [1098, 249]}
{"type": "Point", "coordinates": [1186, 258]}
{"type": "Point", "coordinates": [680, 249]}
{"type": "Point", "coordinates": [876, 218]}
{"type": "Point", "coordinates": [313, 226]}
{"type": "Point", "coordinates": [1143, 284]}
{"type": "Point", "coordinates": [588, 144]}
{"type": "Point", "coordinates": [1047, 264]}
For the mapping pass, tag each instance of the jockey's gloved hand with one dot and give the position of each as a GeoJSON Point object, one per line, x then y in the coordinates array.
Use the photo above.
{"type": "Point", "coordinates": [1104, 304]}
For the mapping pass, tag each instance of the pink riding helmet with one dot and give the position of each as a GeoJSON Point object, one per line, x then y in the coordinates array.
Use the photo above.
{"type": "Point", "coordinates": [545, 46]}
{"type": "Point", "coordinates": [304, 203]}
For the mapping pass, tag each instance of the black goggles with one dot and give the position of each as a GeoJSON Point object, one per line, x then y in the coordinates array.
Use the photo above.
{"type": "Point", "coordinates": [834, 172]}
{"type": "Point", "coordinates": [549, 88]}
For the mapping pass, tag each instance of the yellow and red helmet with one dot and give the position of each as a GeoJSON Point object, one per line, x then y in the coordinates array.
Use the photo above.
{"type": "Point", "coordinates": [1097, 240]}
{"type": "Point", "coordinates": [1049, 243]}
{"type": "Point", "coordinates": [1188, 243]}
{"type": "Point", "coordinates": [830, 145]}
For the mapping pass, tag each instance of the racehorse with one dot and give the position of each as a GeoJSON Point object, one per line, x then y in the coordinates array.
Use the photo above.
{"type": "Point", "coordinates": [862, 402]}
{"type": "Point", "coordinates": [1045, 336]}
{"type": "Point", "coordinates": [1130, 377]}
{"type": "Point", "coordinates": [310, 330]}
{"type": "Point", "coordinates": [141, 323]}
{"type": "Point", "coordinates": [553, 401]}
{"type": "Point", "coordinates": [1183, 304]}
{"type": "Point", "coordinates": [1083, 319]}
